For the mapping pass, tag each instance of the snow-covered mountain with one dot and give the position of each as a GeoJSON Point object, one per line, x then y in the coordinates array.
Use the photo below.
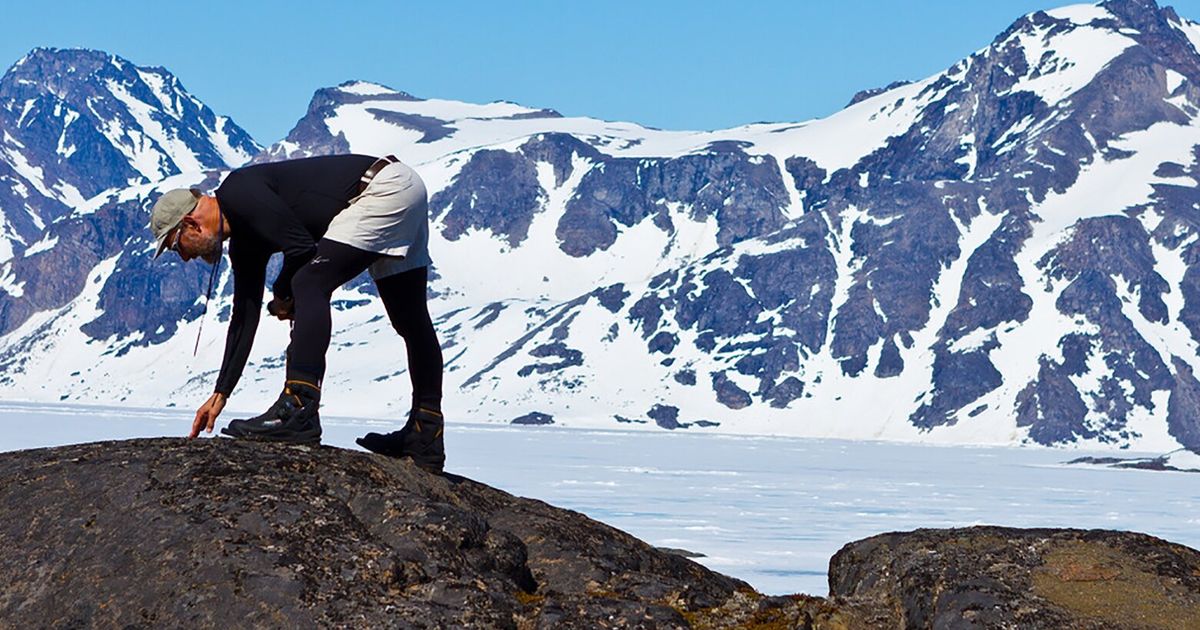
{"type": "Point", "coordinates": [79, 122]}
{"type": "Point", "coordinates": [1003, 252]}
{"type": "Point", "coordinates": [80, 128]}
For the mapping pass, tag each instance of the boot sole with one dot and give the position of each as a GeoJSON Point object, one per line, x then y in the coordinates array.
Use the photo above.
{"type": "Point", "coordinates": [295, 438]}
{"type": "Point", "coordinates": [436, 468]}
{"type": "Point", "coordinates": [385, 452]}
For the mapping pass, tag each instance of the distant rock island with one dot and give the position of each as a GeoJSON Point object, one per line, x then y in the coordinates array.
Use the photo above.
{"type": "Point", "coordinates": [1181, 460]}
{"type": "Point", "coordinates": [203, 533]}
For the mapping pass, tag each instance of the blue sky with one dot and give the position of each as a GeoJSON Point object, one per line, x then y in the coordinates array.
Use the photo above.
{"type": "Point", "coordinates": [666, 63]}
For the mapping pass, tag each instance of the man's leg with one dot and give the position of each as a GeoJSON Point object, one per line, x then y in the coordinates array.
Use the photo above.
{"type": "Point", "coordinates": [294, 416]}
{"type": "Point", "coordinates": [404, 298]}
{"type": "Point", "coordinates": [333, 265]}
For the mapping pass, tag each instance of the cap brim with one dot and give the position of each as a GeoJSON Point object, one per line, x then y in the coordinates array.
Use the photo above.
{"type": "Point", "coordinates": [162, 241]}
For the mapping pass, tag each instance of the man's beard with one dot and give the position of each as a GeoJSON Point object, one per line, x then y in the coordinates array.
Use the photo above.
{"type": "Point", "coordinates": [209, 249]}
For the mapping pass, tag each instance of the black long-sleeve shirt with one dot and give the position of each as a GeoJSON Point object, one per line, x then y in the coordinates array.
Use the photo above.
{"type": "Point", "coordinates": [277, 207]}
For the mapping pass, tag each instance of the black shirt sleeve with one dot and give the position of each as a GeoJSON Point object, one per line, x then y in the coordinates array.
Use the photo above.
{"type": "Point", "coordinates": [249, 276]}
{"type": "Point", "coordinates": [269, 216]}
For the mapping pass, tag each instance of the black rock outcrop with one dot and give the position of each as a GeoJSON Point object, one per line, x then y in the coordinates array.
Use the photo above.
{"type": "Point", "coordinates": [204, 533]}
{"type": "Point", "coordinates": [209, 533]}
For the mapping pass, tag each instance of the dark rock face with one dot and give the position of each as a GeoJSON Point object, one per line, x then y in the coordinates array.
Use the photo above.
{"type": "Point", "coordinates": [1183, 408]}
{"type": "Point", "coordinates": [728, 393]}
{"type": "Point", "coordinates": [170, 532]}
{"type": "Point", "coordinates": [140, 296]}
{"type": "Point", "coordinates": [215, 532]}
{"type": "Point", "coordinates": [745, 193]}
{"type": "Point", "coordinates": [665, 416]}
{"type": "Point", "coordinates": [496, 190]}
{"type": "Point", "coordinates": [151, 297]}
{"type": "Point", "coordinates": [541, 113]}
{"type": "Point", "coordinates": [974, 376]}
{"type": "Point", "coordinates": [995, 577]}
{"type": "Point", "coordinates": [796, 282]}
{"type": "Point", "coordinates": [83, 242]}
{"type": "Point", "coordinates": [612, 297]}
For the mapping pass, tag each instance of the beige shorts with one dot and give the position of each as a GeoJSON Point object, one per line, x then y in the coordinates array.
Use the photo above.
{"type": "Point", "coordinates": [390, 217]}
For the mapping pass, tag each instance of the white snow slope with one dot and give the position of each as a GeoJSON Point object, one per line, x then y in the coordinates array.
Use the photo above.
{"type": "Point", "coordinates": [480, 272]}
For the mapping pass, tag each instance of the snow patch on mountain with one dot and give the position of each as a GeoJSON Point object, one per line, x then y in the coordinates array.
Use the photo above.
{"type": "Point", "coordinates": [1081, 14]}
{"type": "Point", "coordinates": [842, 139]}
{"type": "Point", "coordinates": [146, 151]}
{"type": "Point", "coordinates": [9, 283]}
{"type": "Point", "coordinates": [1191, 30]}
{"type": "Point", "coordinates": [365, 88]}
{"type": "Point", "coordinates": [224, 133]}
{"type": "Point", "coordinates": [1094, 194]}
{"type": "Point", "coordinates": [43, 245]}
{"type": "Point", "coordinates": [1061, 62]}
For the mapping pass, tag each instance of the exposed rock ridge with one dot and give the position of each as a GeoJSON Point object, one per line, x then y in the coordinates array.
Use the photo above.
{"type": "Point", "coordinates": [170, 532]}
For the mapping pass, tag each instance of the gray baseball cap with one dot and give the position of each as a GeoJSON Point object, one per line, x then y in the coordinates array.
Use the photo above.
{"type": "Point", "coordinates": [168, 213]}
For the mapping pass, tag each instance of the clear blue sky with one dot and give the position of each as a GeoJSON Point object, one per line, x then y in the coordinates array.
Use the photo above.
{"type": "Point", "coordinates": [685, 64]}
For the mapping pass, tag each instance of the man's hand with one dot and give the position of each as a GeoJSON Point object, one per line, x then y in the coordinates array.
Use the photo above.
{"type": "Point", "coordinates": [283, 308]}
{"type": "Point", "coordinates": [207, 414]}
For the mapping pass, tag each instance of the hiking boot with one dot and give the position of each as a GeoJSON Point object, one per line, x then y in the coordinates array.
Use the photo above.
{"type": "Point", "coordinates": [420, 440]}
{"type": "Point", "coordinates": [387, 444]}
{"type": "Point", "coordinates": [292, 419]}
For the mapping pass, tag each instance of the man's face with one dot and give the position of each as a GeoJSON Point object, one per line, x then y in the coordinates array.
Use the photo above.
{"type": "Point", "coordinates": [191, 240]}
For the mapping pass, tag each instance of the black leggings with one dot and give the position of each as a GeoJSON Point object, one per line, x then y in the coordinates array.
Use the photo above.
{"type": "Point", "coordinates": [403, 296]}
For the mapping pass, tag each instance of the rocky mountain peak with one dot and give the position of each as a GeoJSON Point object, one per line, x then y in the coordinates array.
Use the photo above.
{"type": "Point", "coordinates": [61, 70]}
{"type": "Point", "coordinates": [1142, 20]}
{"type": "Point", "coordinates": [79, 122]}
{"type": "Point", "coordinates": [312, 136]}
{"type": "Point", "coordinates": [142, 114]}
{"type": "Point", "coordinates": [354, 91]}
{"type": "Point", "coordinates": [72, 76]}
{"type": "Point", "coordinates": [1143, 15]}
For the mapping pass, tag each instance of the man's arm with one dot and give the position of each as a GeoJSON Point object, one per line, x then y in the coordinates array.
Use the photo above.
{"type": "Point", "coordinates": [250, 270]}
{"type": "Point", "coordinates": [274, 221]}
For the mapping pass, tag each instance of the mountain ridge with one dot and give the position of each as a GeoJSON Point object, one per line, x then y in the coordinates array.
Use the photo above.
{"type": "Point", "coordinates": [924, 244]}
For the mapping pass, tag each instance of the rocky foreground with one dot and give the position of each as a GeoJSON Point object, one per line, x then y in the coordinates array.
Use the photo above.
{"type": "Point", "coordinates": [203, 533]}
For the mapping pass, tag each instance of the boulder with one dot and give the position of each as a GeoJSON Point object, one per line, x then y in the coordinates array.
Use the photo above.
{"type": "Point", "coordinates": [998, 577]}
{"type": "Point", "coordinates": [209, 533]}
{"type": "Point", "coordinates": [204, 533]}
